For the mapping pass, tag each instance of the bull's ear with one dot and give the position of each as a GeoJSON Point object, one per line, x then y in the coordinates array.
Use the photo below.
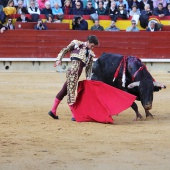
{"type": "Point", "coordinates": [132, 85]}
{"type": "Point", "coordinates": [159, 85]}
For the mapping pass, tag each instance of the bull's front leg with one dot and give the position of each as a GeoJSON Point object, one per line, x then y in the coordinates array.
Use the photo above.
{"type": "Point", "coordinates": [148, 114]}
{"type": "Point", "coordinates": [135, 108]}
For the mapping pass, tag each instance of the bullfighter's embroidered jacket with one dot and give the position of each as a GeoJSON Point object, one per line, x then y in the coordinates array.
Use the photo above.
{"type": "Point", "coordinates": [78, 50]}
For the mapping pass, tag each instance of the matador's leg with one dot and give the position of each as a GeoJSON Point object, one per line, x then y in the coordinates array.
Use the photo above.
{"type": "Point", "coordinates": [72, 79]}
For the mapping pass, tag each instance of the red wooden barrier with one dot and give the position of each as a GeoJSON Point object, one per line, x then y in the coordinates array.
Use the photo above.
{"type": "Point", "coordinates": [47, 44]}
{"type": "Point", "coordinates": [166, 28]}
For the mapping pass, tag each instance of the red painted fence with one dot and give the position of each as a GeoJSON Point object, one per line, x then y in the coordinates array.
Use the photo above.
{"type": "Point", "coordinates": [47, 44]}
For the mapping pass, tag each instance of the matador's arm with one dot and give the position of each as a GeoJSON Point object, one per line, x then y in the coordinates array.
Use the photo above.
{"type": "Point", "coordinates": [74, 44]}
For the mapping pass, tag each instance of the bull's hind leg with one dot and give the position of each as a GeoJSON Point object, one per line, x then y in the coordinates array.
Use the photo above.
{"type": "Point", "coordinates": [135, 108]}
{"type": "Point", "coordinates": [148, 114]}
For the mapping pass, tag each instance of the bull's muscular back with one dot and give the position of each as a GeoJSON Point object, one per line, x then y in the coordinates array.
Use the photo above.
{"type": "Point", "coordinates": [105, 67]}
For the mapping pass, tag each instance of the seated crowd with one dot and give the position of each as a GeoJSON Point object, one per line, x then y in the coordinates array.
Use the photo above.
{"type": "Point", "coordinates": [54, 11]}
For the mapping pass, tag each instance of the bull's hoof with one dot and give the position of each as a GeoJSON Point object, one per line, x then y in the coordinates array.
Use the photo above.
{"type": "Point", "coordinates": [52, 115]}
{"type": "Point", "coordinates": [149, 115]}
{"type": "Point", "coordinates": [138, 118]}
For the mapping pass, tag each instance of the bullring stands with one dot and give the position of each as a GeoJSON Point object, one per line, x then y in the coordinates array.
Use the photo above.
{"type": "Point", "coordinates": [104, 21]}
{"type": "Point", "coordinates": [30, 46]}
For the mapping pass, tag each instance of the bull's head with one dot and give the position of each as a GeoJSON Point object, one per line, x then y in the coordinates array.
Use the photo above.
{"type": "Point", "coordinates": [145, 90]}
{"type": "Point", "coordinates": [97, 72]}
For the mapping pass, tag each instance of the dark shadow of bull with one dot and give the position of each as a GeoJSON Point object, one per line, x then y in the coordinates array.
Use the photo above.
{"type": "Point", "coordinates": [128, 74]}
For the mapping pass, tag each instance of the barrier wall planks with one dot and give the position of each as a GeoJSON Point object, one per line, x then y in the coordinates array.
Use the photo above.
{"type": "Point", "coordinates": [47, 44]}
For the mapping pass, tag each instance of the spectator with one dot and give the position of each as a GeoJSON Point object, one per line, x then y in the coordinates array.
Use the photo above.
{"type": "Point", "coordinates": [29, 3]}
{"type": "Point", "coordinates": [156, 3]}
{"type": "Point", "coordinates": [9, 24]}
{"type": "Point", "coordinates": [74, 3]}
{"type": "Point", "coordinates": [34, 11]}
{"type": "Point", "coordinates": [79, 23]}
{"type": "Point", "coordinates": [144, 17]}
{"type": "Point", "coordinates": [97, 26]}
{"type": "Point", "coordinates": [50, 19]}
{"type": "Point", "coordinates": [52, 2]}
{"type": "Point", "coordinates": [122, 13]}
{"type": "Point", "coordinates": [96, 4]}
{"type": "Point", "coordinates": [10, 9]}
{"type": "Point", "coordinates": [20, 8]}
{"type": "Point", "coordinates": [113, 11]}
{"type": "Point", "coordinates": [142, 4]}
{"type": "Point", "coordinates": [168, 10]}
{"type": "Point", "coordinates": [47, 10]}
{"type": "Point", "coordinates": [24, 3]}
{"type": "Point", "coordinates": [135, 13]}
{"type": "Point", "coordinates": [67, 7]}
{"type": "Point", "coordinates": [112, 27]}
{"type": "Point", "coordinates": [23, 18]}
{"type": "Point", "coordinates": [154, 27]}
{"type": "Point", "coordinates": [40, 25]}
{"type": "Point", "coordinates": [132, 28]}
{"type": "Point", "coordinates": [132, 3]}
{"type": "Point", "coordinates": [105, 4]}
{"type": "Point", "coordinates": [78, 10]}
{"type": "Point", "coordinates": [57, 11]}
{"type": "Point", "coordinates": [101, 10]}
{"type": "Point", "coordinates": [124, 3]}
{"type": "Point", "coordinates": [2, 15]}
{"type": "Point", "coordinates": [89, 9]}
{"type": "Point", "coordinates": [41, 4]}
{"type": "Point", "coordinates": [109, 4]}
{"type": "Point", "coordinates": [2, 28]}
{"type": "Point", "coordinates": [159, 11]}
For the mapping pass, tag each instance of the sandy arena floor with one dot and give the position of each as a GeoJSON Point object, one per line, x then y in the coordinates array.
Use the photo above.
{"type": "Point", "coordinates": [32, 140]}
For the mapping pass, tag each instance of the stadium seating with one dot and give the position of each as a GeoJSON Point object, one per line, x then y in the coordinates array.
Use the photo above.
{"type": "Point", "coordinates": [104, 20]}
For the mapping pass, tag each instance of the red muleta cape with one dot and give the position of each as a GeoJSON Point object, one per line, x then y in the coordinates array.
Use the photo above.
{"type": "Point", "coordinates": [97, 102]}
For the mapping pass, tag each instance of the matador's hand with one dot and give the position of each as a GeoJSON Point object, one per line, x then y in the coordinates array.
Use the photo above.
{"type": "Point", "coordinates": [57, 63]}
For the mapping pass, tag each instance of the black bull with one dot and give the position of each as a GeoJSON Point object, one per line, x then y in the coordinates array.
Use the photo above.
{"type": "Point", "coordinates": [135, 80]}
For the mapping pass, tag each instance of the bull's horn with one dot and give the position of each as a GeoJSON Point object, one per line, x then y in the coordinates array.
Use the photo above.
{"type": "Point", "coordinates": [131, 85]}
{"type": "Point", "coordinates": [159, 85]}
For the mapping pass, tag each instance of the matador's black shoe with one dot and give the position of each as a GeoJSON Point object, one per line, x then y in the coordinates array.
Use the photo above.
{"type": "Point", "coordinates": [73, 119]}
{"type": "Point", "coordinates": [52, 115]}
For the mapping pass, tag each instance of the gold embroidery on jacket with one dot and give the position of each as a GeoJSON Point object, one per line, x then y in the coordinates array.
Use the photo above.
{"type": "Point", "coordinates": [78, 49]}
